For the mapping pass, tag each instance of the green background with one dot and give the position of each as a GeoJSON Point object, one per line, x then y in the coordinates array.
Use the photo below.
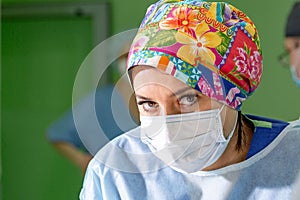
{"type": "Point", "coordinates": [37, 76]}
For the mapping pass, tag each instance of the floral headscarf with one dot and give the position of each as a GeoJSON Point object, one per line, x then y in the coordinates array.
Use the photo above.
{"type": "Point", "coordinates": [211, 46]}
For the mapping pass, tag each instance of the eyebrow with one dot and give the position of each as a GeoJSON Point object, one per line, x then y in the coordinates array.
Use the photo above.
{"type": "Point", "coordinates": [177, 93]}
{"type": "Point", "coordinates": [143, 98]}
{"type": "Point", "coordinates": [182, 90]}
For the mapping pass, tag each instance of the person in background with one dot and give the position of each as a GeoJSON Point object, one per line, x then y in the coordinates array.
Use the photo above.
{"type": "Point", "coordinates": [192, 65]}
{"type": "Point", "coordinates": [63, 133]}
{"type": "Point", "coordinates": [291, 57]}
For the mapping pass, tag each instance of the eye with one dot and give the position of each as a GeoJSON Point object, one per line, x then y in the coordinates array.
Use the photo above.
{"type": "Point", "coordinates": [188, 100]}
{"type": "Point", "coordinates": [148, 106]}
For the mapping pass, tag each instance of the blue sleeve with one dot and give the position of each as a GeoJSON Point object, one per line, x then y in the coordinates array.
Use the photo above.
{"type": "Point", "coordinates": [64, 130]}
{"type": "Point", "coordinates": [111, 123]}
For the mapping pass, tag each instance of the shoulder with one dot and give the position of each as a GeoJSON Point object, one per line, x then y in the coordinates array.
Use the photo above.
{"type": "Point", "coordinates": [269, 127]}
{"type": "Point", "coordinates": [125, 154]}
{"type": "Point", "coordinates": [265, 122]}
{"type": "Point", "coordinates": [287, 142]}
{"type": "Point", "coordinates": [99, 93]}
{"type": "Point", "coordinates": [270, 132]}
{"type": "Point", "coordinates": [293, 132]}
{"type": "Point", "coordinates": [108, 91]}
{"type": "Point", "coordinates": [279, 160]}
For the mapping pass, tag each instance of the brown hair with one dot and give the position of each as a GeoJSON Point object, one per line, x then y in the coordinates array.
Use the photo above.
{"type": "Point", "coordinates": [244, 126]}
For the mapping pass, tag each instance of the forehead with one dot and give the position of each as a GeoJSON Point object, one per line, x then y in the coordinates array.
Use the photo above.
{"type": "Point", "coordinates": [153, 83]}
{"type": "Point", "coordinates": [290, 41]}
{"type": "Point", "coordinates": [143, 76]}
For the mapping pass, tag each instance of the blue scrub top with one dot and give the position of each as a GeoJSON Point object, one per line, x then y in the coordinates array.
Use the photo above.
{"type": "Point", "coordinates": [112, 124]}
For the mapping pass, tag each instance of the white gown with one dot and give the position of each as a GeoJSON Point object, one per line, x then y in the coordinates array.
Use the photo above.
{"type": "Point", "coordinates": [126, 169]}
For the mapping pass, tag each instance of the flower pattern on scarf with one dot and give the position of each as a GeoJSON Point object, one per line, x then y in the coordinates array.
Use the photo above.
{"type": "Point", "coordinates": [183, 19]}
{"type": "Point", "coordinates": [211, 46]}
{"type": "Point", "coordinates": [249, 64]}
{"type": "Point", "coordinates": [199, 46]}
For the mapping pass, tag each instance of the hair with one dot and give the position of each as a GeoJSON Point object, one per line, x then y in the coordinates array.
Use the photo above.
{"type": "Point", "coordinates": [292, 28]}
{"type": "Point", "coordinates": [244, 126]}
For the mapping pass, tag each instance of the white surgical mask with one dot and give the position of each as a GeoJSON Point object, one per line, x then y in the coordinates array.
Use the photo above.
{"type": "Point", "coordinates": [294, 75]}
{"type": "Point", "coordinates": [186, 142]}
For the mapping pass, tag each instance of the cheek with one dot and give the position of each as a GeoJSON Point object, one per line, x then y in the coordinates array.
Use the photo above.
{"type": "Point", "coordinates": [295, 62]}
{"type": "Point", "coordinates": [205, 103]}
{"type": "Point", "coordinates": [295, 58]}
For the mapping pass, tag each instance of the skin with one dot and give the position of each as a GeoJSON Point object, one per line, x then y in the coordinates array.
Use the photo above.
{"type": "Point", "coordinates": [79, 158]}
{"type": "Point", "coordinates": [158, 93]}
{"type": "Point", "coordinates": [290, 43]}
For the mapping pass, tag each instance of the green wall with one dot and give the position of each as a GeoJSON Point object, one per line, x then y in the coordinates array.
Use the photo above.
{"type": "Point", "coordinates": [37, 88]}
{"type": "Point", "coordinates": [40, 58]}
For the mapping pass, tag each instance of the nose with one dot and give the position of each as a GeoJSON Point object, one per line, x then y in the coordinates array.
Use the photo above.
{"type": "Point", "coordinates": [168, 108]}
{"type": "Point", "coordinates": [298, 71]}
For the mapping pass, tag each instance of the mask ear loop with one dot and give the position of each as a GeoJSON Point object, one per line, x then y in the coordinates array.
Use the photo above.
{"type": "Point", "coordinates": [231, 133]}
{"type": "Point", "coordinates": [220, 110]}
{"type": "Point", "coordinates": [233, 129]}
{"type": "Point", "coordinates": [221, 137]}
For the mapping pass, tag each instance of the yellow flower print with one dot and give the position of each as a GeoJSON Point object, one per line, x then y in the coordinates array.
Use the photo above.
{"type": "Point", "coordinates": [199, 46]}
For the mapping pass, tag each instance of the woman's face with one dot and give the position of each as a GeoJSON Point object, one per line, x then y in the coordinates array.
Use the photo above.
{"type": "Point", "coordinates": [294, 50]}
{"type": "Point", "coordinates": [158, 93]}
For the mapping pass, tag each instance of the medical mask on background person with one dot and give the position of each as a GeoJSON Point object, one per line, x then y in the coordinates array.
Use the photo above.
{"type": "Point", "coordinates": [294, 75]}
{"type": "Point", "coordinates": [186, 142]}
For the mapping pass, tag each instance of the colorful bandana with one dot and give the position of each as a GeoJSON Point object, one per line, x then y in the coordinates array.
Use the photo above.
{"type": "Point", "coordinates": [211, 46]}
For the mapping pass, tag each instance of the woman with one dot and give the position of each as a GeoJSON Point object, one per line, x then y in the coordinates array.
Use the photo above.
{"type": "Point", "coordinates": [291, 57]}
{"type": "Point", "coordinates": [191, 65]}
